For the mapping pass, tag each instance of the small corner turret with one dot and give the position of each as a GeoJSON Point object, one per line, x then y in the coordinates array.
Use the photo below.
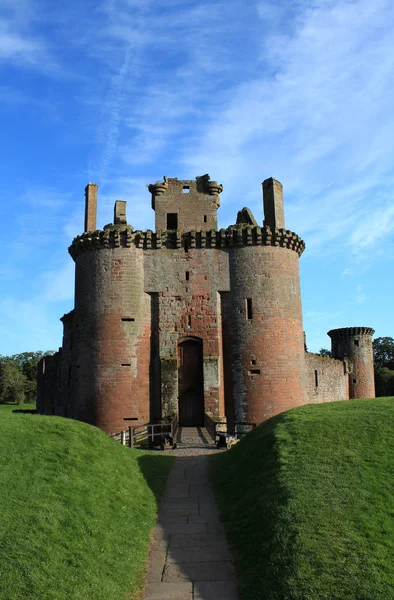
{"type": "Point", "coordinates": [186, 204]}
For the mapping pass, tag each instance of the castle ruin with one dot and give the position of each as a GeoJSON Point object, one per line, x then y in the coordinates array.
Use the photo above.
{"type": "Point", "coordinates": [192, 320]}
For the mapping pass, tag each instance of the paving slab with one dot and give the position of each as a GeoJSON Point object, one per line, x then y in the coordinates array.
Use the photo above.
{"type": "Point", "coordinates": [215, 590]}
{"type": "Point", "coordinates": [189, 556]}
{"type": "Point", "coordinates": [199, 571]}
{"type": "Point", "coordinates": [169, 591]}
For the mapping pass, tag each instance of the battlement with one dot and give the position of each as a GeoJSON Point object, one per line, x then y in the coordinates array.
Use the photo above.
{"type": "Point", "coordinates": [234, 236]}
{"type": "Point", "coordinates": [348, 332]}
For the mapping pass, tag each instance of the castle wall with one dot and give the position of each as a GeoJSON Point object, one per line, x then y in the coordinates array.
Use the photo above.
{"type": "Point", "coordinates": [189, 319]}
{"type": "Point", "coordinates": [48, 383]}
{"type": "Point", "coordinates": [186, 287]}
{"type": "Point", "coordinates": [355, 343]}
{"type": "Point", "coordinates": [264, 349]}
{"type": "Point", "coordinates": [196, 209]}
{"type": "Point", "coordinates": [326, 379]}
{"type": "Point", "coordinates": [111, 336]}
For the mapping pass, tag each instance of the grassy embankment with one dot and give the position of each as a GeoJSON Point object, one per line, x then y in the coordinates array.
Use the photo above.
{"type": "Point", "coordinates": [308, 498]}
{"type": "Point", "coordinates": [76, 510]}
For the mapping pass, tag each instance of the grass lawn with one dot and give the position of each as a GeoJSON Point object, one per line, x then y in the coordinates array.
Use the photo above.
{"type": "Point", "coordinates": [308, 498]}
{"type": "Point", "coordinates": [76, 508]}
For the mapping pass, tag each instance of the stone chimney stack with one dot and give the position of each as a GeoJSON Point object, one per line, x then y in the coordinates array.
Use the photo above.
{"type": "Point", "coordinates": [120, 212]}
{"type": "Point", "coordinates": [274, 215]}
{"type": "Point", "coordinates": [91, 207]}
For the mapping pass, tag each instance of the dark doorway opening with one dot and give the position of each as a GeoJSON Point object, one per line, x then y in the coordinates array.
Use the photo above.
{"type": "Point", "coordinates": [190, 384]}
{"type": "Point", "coordinates": [172, 221]}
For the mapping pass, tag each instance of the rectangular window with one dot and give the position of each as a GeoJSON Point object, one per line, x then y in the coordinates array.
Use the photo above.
{"type": "Point", "coordinates": [254, 372]}
{"type": "Point", "coordinates": [189, 321]}
{"type": "Point", "coordinates": [187, 275]}
{"type": "Point", "coordinates": [356, 342]}
{"type": "Point", "coordinates": [172, 221]}
{"type": "Point", "coordinates": [354, 380]}
{"type": "Point", "coordinates": [125, 365]}
{"type": "Point", "coordinates": [249, 309]}
{"type": "Point", "coordinates": [316, 379]}
{"type": "Point", "coordinates": [127, 319]}
{"type": "Point", "coordinates": [186, 189]}
{"type": "Point", "coordinates": [205, 218]}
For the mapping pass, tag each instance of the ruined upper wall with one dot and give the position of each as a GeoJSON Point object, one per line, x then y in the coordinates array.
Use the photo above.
{"type": "Point", "coordinates": [326, 378]}
{"type": "Point", "coordinates": [186, 204]}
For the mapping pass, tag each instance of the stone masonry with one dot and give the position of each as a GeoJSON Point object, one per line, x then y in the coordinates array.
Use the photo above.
{"type": "Point", "coordinates": [193, 320]}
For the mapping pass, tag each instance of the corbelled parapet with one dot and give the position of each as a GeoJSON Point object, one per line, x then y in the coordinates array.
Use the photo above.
{"type": "Point", "coordinates": [238, 235]}
{"type": "Point", "coordinates": [202, 184]}
{"type": "Point", "coordinates": [346, 332]}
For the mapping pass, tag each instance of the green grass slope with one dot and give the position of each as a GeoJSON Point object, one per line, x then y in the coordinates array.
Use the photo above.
{"type": "Point", "coordinates": [76, 510]}
{"type": "Point", "coordinates": [308, 498]}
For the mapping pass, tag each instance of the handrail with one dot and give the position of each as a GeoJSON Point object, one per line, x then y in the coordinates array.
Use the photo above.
{"type": "Point", "coordinates": [151, 431]}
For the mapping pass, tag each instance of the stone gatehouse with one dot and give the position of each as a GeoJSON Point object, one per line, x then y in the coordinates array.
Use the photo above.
{"type": "Point", "coordinates": [192, 320]}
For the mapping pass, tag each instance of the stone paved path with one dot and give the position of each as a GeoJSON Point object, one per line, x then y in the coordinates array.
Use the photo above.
{"type": "Point", "coordinates": [189, 556]}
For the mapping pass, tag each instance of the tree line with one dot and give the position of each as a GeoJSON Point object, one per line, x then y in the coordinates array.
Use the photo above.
{"type": "Point", "coordinates": [18, 377]}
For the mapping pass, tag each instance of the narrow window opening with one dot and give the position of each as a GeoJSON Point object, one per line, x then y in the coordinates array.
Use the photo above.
{"type": "Point", "coordinates": [130, 418]}
{"type": "Point", "coordinates": [253, 362]}
{"type": "Point", "coordinates": [172, 221]}
{"type": "Point", "coordinates": [125, 364]}
{"type": "Point", "coordinates": [185, 246]}
{"type": "Point", "coordinates": [254, 372]}
{"type": "Point", "coordinates": [356, 342]}
{"type": "Point", "coordinates": [354, 380]}
{"type": "Point", "coordinates": [205, 218]}
{"type": "Point", "coordinates": [187, 275]}
{"type": "Point", "coordinates": [189, 321]}
{"type": "Point", "coordinates": [127, 319]}
{"type": "Point", "coordinates": [249, 309]}
{"type": "Point", "coordinates": [186, 189]}
{"type": "Point", "coordinates": [316, 379]}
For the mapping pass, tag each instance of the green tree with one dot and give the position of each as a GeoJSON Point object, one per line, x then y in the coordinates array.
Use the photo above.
{"type": "Point", "coordinates": [325, 352]}
{"type": "Point", "coordinates": [13, 382]}
{"type": "Point", "coordinates": [18, 376]}
{"type": "Point", "coordinates": [383, 352]}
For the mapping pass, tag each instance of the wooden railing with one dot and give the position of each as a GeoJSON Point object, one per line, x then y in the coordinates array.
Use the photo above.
{"type": "Point", "coordinates": [154, 434]}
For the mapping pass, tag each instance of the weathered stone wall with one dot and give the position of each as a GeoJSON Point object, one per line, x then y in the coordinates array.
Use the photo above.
{"type": "Point", "coordinates": [264, 350]}
{"type": "Point", "coordinates": [195, 209]}
{"type": "Point", "coordinates": [186, 285]}
{"type": "Point", "coordinates": [48, 383]}
{"type": "Point", "coordinates": [326, 379]}
{"type": "Point", "coordinates": [356, 344]}
{"type": "Point", "coordinates": [112, 338]}
{"type": "Point", "coordinates": [230, 296]}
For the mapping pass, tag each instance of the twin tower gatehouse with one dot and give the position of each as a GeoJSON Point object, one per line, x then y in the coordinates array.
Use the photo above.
{"type": "Point", "coordinates": [192, 320]}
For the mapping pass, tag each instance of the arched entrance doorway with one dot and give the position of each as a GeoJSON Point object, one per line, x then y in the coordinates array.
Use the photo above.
{"type": "Point", "coordinates": [190, 383]}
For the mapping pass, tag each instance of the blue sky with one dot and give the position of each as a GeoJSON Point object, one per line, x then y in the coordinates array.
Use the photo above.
{"type": "Point", "coordinates": [122, 92]}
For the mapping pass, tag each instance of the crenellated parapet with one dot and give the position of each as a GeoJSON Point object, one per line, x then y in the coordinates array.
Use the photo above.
{"type": "Point", "coordinates": [234, 236]}
{"type": "Point", "coordinates": [348, 332]}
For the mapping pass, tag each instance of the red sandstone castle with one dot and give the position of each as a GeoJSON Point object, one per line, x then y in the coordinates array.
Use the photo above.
{"type": "Point", "coordinates": [192, 320]}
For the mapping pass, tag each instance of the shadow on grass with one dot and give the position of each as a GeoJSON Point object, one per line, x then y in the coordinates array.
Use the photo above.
{"type": "Point", "coordinates": [155, 468]}
{"type": "Point", "coordinates": [25, 411]}
{"type": "Point", "coordinates": [248, 483]}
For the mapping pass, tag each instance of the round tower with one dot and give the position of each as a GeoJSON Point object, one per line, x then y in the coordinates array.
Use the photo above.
{"type": "Point", "coordinates": [355, 343]}
{"type": "Point", "coordinates": [111, 354]}
{"type": "Point", "coordinates": [263, 315]}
